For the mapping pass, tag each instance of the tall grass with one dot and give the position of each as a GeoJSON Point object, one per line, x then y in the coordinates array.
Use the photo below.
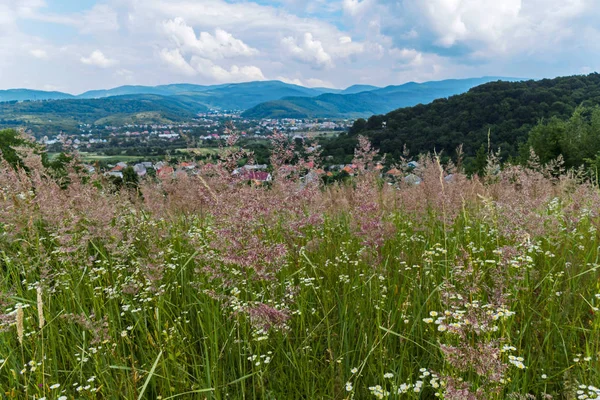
{"type": "Point", "coordinates": [207, 287]}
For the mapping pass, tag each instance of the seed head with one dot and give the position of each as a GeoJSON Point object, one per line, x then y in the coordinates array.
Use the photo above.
{"type": "Point", "coordinates": [40, 307]}
{"type": "Point", "coordinates": [20, 328]}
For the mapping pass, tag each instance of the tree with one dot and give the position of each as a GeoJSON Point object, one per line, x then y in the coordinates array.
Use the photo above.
{"type": "Point", "coordinates": [130, 177]}
{"type": "Point", "coordinates": [10, 140]}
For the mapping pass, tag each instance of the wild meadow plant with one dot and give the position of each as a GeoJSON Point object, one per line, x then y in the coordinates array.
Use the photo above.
{"type": "Point", "coordinates": [205, 286]}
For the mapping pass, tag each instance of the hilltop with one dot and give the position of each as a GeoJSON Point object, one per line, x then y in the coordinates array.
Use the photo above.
{"type": "Point", "coordinates": [507, 110]}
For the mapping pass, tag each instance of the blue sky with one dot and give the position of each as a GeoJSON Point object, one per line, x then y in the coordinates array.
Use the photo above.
{"type": "Point", "coordinates": [77, 45]}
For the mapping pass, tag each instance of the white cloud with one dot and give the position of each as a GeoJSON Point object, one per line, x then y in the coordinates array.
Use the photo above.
{"type": "Point", "coordinates": [357, 7]}
{"type": "Point", "coordinates": [98, 59]}
{"type": "Point", "coordinates": [39, 53]}
{"type": "Point", "coordinates": [291, 81]}
{"type": "Point", "coordinates": [458, 20]}
{"type": "Point", "coordinates": [310, 82]}
{"type": "Point", "coordinates": [410, 57]}
{"type": "Point", "coordinates": [208, 69]}
{"type": "Point", "coordinates": [308, 50]}
{"type": "Point", "coordinates": [349, 41]}
{"type": "Point", "coordinates": [176, 61]}
{"type": "Point", "coordinates": [220, 45]}
{"type": "Point", "coordinates": [99, 19]}
{"type": "Point", "coordinates": [315, 82]}
{"type": "Point", "coordinates": [235, 73]}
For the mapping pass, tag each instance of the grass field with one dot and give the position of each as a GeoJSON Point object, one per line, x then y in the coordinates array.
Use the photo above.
{"type": "Point", "coordinates": [206, 287]}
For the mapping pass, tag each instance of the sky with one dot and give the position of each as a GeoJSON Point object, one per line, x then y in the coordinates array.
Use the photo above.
{"type": "Point", "coordinates": [79, 45]}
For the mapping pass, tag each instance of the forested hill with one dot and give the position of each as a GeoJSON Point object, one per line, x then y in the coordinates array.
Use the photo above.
{"type": "Point", "coordinates": [508, 110]}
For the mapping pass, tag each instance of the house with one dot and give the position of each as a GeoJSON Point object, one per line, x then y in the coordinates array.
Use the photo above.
{"type": "Point", "coordinates": [395, 172]}
{"type": "Point", "coordinates": [114, 174]}
{"type": "Point", "coordinates": [348, 169]}
{"type": "Point", "coordinates": [139, 169]}
{"type": "Point", "coordinates": [412, 179]}
{"type": "Point", "coordinates": [165, 172]}
{"type": "Point", "coordinates": [413, 164]}
{"type": "Point", "coordinates": [251, 167]}
{"type": "Point", "coordinates": [187, 166]}
{"type": "Point", "coordinates": [256, 177]}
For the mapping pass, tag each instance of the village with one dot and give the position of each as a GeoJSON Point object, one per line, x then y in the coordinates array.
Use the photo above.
{"type": "Point", "coordinates": [205, 129]}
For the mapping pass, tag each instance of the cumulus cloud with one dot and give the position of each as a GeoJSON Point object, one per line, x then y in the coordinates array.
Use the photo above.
{"type": "Point", "coordinates": [308, 50]}
{"type": "Point", "coordinates": [175, 60]}
{"type": "Point", "coordinates": [199, 66]}
{"type": "Point", "coordinates": [220, 45]}
{"type": "Point", "coordinates": [234, 73]}
{"type": "Point", "coordinates": [458, 20]}
{"type": "Point", "coordinates": [198, 55]}
{"type": "Point", "coordinates": [98, 59]}
{"type": "Point", "coordinates": [410, 57]}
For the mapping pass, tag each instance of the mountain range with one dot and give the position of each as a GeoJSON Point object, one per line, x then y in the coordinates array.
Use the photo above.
{"type": "Point", "coordinates": [357, 103]}
{"type": "Point", "coordinates": [264, 99]}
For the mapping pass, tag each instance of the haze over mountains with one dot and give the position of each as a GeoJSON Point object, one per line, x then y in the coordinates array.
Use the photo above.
{"type": "Point", "coordinates": [263, 99]}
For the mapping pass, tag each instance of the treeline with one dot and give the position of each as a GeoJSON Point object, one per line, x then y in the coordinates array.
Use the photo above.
{"type": "Point", "coordinates": [507, 111]}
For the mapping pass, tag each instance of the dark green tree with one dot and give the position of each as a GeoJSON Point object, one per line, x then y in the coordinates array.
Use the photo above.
{"type": "Point", "coordinates": [130, 178]}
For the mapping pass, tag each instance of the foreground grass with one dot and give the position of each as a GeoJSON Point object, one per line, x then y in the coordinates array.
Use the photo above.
{"type": "Point", "coordinates": [373, 300]}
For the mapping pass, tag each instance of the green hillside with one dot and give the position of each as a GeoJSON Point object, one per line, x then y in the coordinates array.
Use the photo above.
{"type": "Point", "coordinates": [67, 114]}
{"type": "Point", "coordinates": [364, 103]}
{"type": "Point", "coordinates": [508, 110]}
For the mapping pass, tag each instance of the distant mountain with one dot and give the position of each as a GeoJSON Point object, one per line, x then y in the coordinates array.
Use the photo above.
{"type": "Point", "coordinates": [163, 90]}
{"type": "Point", "coordinates": [28, 94]}
{"type": "Point", "coordinates": [358, 88]}
{"type": "Point", "coordinates": [238, 96]}
{"type": "Point", "coordinates": [365, 103]}
{"type": "Point", "coordinates": [243, 96]}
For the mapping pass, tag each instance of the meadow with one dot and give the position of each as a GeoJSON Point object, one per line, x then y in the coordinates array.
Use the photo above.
{"type": "Point", "coordinates": [209, 287]}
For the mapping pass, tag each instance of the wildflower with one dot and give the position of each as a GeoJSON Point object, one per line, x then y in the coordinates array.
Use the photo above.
{"type": "Point", "coordinates": [433, 313]}
{"type": "Point", "coordinates": [442, 328]}
{"type": "Point", "coordinates": [55, 386]}
{"type": "Point", "coordinates": [428, 320]}
{"type": "Point", "coordinates": [404, 388]}
{"type": "Point", "coordinates": [388, 375]}
{"type": "Point", "coordinates": [349, 386]}
{"type": "Point", "coordinates": [62, 398]}
{"type": "Point", "coordinates": [544, 376]}
{"type": "Point", "coordinates": [354, 370]}
{"type": "Point", "coordinates": [378, 391]}
{"type": "Point", "coordinates": [517, 362]}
